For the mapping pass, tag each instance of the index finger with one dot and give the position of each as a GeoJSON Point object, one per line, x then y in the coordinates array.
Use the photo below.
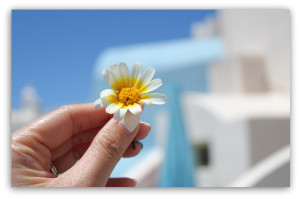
{"type": "Point", "coordinates": [58, 126]}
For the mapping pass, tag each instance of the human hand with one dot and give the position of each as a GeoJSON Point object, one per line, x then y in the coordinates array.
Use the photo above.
{"type": "Point", "coordinates": [71, 134]}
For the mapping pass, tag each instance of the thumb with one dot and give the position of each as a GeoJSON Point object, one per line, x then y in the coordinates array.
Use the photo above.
{"type": "Point", "coordinates": [96, 165]}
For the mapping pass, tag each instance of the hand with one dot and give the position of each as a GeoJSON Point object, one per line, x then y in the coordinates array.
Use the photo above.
{"type": "Point", "coordinates": [82, 142]}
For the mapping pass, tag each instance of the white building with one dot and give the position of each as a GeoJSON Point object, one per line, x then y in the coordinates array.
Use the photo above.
{"type": "Point", "coordinates": [246, 117]}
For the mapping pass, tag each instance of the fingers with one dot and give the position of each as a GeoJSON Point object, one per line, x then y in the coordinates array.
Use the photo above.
{"type": "Point", "coordinates": [58, 126]}
{"type": "Point", "coordinates": [64, 161]}
{"type": "Point", "coordinates": [67, 160]}
{"type": "Point", "coordinates": [82, 137]}
{"type": "Point", "coordinates": [85, 136]}
{"type": "Point", "coordinates": [96, 165]}
{"type": "Point", "coordinates": [132, 151]}
{"type": "Point", "coordinates": [121, 182]}
{"type": "Point", "coordinates": [143, 131]}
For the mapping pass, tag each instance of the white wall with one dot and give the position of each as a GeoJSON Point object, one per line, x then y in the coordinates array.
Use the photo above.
{"type": "Point", "coordinates": [263, 32]}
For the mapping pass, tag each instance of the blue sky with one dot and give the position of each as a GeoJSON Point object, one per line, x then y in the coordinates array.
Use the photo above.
{"type": "Point", "coordinates": [55, 50]}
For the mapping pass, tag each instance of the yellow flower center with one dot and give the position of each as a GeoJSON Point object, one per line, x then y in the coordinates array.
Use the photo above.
{"type": "Point", "coordinates": [129, 95]}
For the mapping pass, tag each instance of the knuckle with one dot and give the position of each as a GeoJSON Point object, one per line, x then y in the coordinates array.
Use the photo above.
{"type": "Point", "coordinates": [76, 154]}
{"type": "Point", "coordinates": [108, 144]}
{"type": "Point", "coordinates": [64, 108]}
{"type": "Point", "coordinates": [77, 140]}
{"type": "Point", "coordinates": [69, 111]}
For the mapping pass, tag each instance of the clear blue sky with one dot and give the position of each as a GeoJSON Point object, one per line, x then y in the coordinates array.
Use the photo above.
{"type": "Point", "coordinates": [55, 50]}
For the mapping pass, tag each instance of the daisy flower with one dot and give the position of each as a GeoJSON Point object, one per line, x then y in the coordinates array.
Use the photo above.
{"type": "Point", "coordinates": [129, 90]}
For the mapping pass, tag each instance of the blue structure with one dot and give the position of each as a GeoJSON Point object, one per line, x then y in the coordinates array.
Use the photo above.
{"type": "Point", "coordinates": [178, 166]}
{"type": "Point", "coordinates": [184, 61]}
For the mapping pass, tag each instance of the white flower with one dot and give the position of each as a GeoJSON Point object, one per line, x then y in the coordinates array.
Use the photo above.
{"type": "Point", "coordinates": [129, 90]}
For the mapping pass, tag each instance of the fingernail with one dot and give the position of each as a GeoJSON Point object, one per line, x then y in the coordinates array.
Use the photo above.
{"type": "Point", "coordinates": [133, 143]}
{"type": "Point", "coordinates": [147, 124]}
{"type": "Point", "coordinates": [142, 145]}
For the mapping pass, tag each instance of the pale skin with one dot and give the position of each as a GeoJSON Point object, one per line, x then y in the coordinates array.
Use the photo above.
{"type": "Point", "coordinates": [82, 142]}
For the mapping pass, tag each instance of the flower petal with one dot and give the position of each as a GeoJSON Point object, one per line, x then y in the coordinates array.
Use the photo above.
{"type": "Point", "coordinates": [154, 84]}
{"type": "Point", "coordinates": [146, 77]}
{"type": "Point", "coordinates": [105, 74]}
{"type": "Point", "coordinates": [116, 77]}
{"type": "Point", "coordinates": [105, 101]}
{"type": "Point", "coordinates": [146, 101]}
{"type": "Point", "coordinates": [107, 92]}
{"type": "Point", "coordinates": [130, 121]}
{"type": "Point", "coordinates": [119, 115]}
{"type": "Point", "coordinates": [135, 108]}
{"type": "Point", "coordinates": [98, 104]}
{"type": "Point", "coordinates": [110, 79]}
{"type": "Point", "coordinates": [125, 75]}
{"type": "Point", "coordinates": [136, 72]}
{"type": "Point", "coordinates": [110, 99]}
{"type": "Point", "coordinates": [113, 107]}
{"type": "Point", "coordinates": [154, 98]}
{"type": "Point", "coordinates": [114, 69]}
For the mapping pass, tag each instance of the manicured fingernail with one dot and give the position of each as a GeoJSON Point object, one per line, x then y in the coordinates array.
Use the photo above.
{"type": "Point", "coordinates": [142, 145]}
{"type": "Point", "coordinates": [147, 124]}
{"type": "Point", "coordinates": [133, 143]}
